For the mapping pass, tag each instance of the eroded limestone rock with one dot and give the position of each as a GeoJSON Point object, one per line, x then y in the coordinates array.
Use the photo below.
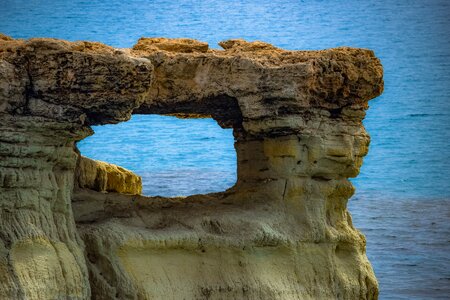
{"type": "Point", "coordinates": [50, 91]}
{"type": "Point", "coordinates": [281, 232]}
{"type": "Point", "coordinates": [104, 177]}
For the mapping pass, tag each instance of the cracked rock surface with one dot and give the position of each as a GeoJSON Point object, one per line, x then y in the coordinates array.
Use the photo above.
{"type": "Point", "coordinates": [75, 228]}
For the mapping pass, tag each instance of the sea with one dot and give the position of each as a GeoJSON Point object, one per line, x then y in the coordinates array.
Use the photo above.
{"type": "Point", "coordinates": [402, 203]}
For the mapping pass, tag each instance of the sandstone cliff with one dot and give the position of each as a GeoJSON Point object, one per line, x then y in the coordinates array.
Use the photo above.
{"type": "Point", "coordinates": [74, 228]}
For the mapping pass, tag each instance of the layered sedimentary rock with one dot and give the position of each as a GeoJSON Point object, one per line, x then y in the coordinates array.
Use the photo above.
{"type": "Point", "coordinates": [49, 91]}
{"type": "Point", "coordinates": [281, 232]}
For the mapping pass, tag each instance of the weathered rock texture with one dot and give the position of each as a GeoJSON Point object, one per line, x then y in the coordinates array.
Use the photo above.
{"type": "Point", "coordinates": [76, 228]}
{"type": "Point", "coordinates": [104, 177]}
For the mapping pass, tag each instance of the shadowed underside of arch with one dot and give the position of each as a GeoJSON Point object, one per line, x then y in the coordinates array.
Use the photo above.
{"type": "Point", "coordinates": [76, 228]}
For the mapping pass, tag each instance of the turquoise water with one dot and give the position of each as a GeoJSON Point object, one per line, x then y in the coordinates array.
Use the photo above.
{"type": "Point", "coordinates": [174, 156]}
{"type": "Point", "coordinates": [403, 198]}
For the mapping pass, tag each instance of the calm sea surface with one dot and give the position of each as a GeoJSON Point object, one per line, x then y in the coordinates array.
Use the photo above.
{"type": "Point", "coordinates": [403, 192]}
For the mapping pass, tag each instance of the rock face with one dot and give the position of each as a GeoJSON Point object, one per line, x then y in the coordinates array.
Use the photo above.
{"type": "Point", "coordinates": [76, 228]}
{"type": "Point", "coordinates": [104, 177]}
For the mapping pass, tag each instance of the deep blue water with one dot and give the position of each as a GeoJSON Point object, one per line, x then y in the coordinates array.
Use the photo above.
{"type": "Point", "coordinates": [403, 192]}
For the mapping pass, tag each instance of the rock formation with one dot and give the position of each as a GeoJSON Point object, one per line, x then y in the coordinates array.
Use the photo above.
{"type": "Point", "coordinates": [74, 228]}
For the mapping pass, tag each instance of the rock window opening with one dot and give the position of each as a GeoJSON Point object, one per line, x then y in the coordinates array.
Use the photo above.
{"type": "Point", "coordinates": [174, 157]}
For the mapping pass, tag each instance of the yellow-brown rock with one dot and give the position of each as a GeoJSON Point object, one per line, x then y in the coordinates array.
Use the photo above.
{"type": "Point", "coordinates": [171, 45]}
{"type": "Point", "coordinates": [50, 90]}
{"type": "Point", "coordinates": [104, 177]}
{"type": "Point", "coordinates": [74, 228]}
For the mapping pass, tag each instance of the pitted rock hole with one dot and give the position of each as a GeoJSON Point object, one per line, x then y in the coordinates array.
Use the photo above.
{"type": "Point", "coordinates": [174, 157]}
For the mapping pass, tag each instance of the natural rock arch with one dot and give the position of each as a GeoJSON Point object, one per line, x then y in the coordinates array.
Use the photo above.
{"type": "Point", "coordinates": [283, 231]}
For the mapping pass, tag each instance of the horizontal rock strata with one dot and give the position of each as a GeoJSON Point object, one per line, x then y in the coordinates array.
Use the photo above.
{"type": "Point", "coordinates": [281, 232]}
